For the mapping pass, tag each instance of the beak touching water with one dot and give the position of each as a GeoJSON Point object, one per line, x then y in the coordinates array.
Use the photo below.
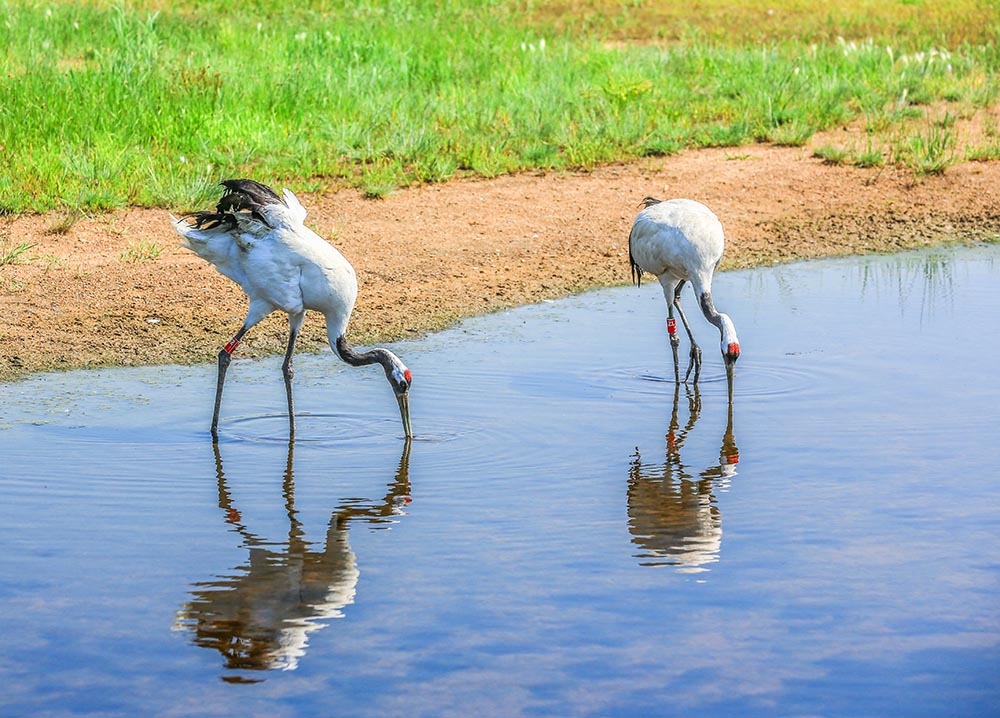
{"type": "Point", "coordinates": [730, 358]}
{"type": "Point", "coordinates": [404, 413]}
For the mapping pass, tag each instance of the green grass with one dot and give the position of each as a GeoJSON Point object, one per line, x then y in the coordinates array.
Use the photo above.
{"type": "Point", "coordinates": [832, 155]}
{"type": "Point", "coordinates": [63, 221]}
{"type": "Point", "coordinates": [871, 156]}
{"type": "Point", "coordinates": [149, 103]}
{"type": "Point", "coordinates": [15, 254]}
{"type": "Point", "coordinates": [928, 151]}
{"type": "Point", "coordinates": [989, 153]}
{"type": "Point", "coordinates": [141, 251]}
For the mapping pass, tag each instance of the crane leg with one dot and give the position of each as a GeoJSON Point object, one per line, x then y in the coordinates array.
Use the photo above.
{"type": "Point", "coordinates": [225, 357]}
{"type": "Point", "coordinates": [675, 341]}
{"type": "Point", "coordinates": [671, 292]}
{"type": "Point", "coordinates": [294, 326]}
{"type": "Point", "coordinates": [694, 358]}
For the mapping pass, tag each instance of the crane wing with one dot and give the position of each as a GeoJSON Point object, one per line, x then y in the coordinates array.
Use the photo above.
{"type": "Point", "coordinates": [252, 207]}
{"type": "Point", "coordinates": [295, 208]}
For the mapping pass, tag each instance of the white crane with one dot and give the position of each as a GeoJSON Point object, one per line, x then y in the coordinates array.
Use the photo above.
{"type": "Point", "coordinates": [260, 241]}
{"type": "Point", "coordinates": [680, 241]}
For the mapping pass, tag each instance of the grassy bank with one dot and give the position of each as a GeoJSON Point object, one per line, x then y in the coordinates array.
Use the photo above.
{"type": "Point", "coordinates": [104, 105]}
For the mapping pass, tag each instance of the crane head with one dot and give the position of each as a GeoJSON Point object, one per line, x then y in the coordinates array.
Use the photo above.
{"type": "Point", "coordinates": [730, 345]}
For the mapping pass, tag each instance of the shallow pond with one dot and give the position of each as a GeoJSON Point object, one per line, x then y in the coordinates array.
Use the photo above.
{"type": "Point", "coordinates": [569, 534]}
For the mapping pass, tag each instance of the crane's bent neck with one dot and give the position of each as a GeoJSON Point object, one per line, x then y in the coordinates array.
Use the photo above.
{"type": "Point", "coordinates": [354, 358]}
{"type": "Point", "coordinates": [721, 321]}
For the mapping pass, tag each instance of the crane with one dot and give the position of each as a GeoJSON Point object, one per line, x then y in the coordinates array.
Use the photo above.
{"type": "Point", "coordinates": [679, 241]}
{"type": "Point", "coordinates": [260, 241]}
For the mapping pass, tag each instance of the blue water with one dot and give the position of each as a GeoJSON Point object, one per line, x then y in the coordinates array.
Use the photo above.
{"type": "Point", "coordinates": [569, 534]}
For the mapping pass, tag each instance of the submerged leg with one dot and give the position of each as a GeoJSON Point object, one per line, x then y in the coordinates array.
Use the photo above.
{"type": "Point", "coordinates": [256, 313]}
{"type": "Point", "coordinates": [671, 290]}
{"type": "Point", "coordinates": [694, 358]}
{"type": "Point", "coordinates": [294, 326]}
{"type": "Point", "coordinates": [225, 357]}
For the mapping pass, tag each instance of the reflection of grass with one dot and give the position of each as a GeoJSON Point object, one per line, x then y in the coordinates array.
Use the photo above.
{"type": "Point", "coordinates": [929, 273]}
{"type": "Point", "coordinates": [921, 278]}
{"type": "Point", "coordinates": [386, 93]}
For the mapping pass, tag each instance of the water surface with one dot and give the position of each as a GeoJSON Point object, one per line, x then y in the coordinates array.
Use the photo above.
{"type": "Point", "coordinates": [569, 534]}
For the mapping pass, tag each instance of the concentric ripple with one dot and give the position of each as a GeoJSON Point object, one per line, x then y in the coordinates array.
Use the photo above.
{"type": "Point", "coordinates": [309, 428]}
{"type": "Point", "coordinates": [753, 379]}
{"type": "Point", "coordinates": [328, 428]}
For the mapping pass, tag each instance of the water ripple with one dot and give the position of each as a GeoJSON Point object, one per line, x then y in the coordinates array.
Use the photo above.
{"type": "Point", "coordinates": [328, 429]}
{"type": "Point", "coordinates": [753, 379]}
{"type": "Point", "coordinates": [309, 428]}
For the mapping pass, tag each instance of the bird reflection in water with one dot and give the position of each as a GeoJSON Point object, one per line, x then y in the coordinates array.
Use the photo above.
{"type": "Point", "coordinates": [260, 617]}
{"type": "Point", "coordinates": [673, 514]}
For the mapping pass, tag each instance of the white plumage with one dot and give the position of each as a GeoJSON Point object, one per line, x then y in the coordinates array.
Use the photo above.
{"type": "Point", "coordinates": [678, 241]}
{"type": "Point", "coordinates": [260, 241]}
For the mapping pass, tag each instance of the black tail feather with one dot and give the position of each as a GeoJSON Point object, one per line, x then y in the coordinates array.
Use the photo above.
{"type": "Point", "coordinates": [633, 267]}
{"type": "Point", "coordinates": [241, 195]}
{"type": "Point", "coordinates": [246, 194]}
{"type": "Point", "coordinates": [207, 219]}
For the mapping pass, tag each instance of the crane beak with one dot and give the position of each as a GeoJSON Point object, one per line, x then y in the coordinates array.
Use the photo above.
{"type": "Point", "coordinates": [730, 358]}
{"type": "Point", "coordinates": [404, 412]}
{"type": "Point", "coordinates": [730, 362]}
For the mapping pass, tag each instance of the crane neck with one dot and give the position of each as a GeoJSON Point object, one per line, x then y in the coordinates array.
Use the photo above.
{"type": "Point", "coordinates": [722, 321]}
{"type": "Point", "coordinates": [354, 358]}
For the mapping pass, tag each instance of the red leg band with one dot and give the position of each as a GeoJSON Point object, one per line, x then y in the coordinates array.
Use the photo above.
{"type": "Point", "coordinates": [231, 346]}
{"type": "Point", "coordinates": [671, 326]}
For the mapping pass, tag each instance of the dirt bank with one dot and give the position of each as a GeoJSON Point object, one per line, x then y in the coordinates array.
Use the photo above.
{"type": "Point", "coordinates": [430, 255]}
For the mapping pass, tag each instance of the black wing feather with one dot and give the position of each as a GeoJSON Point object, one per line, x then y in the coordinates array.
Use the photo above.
{"type": "Point", "coordinates": [241, 195]}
